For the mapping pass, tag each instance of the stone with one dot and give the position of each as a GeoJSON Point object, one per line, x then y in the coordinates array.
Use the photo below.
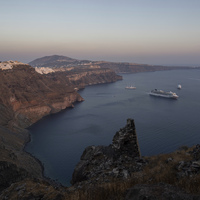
{"type": "Point", "coordinates": [117, 160]}
{"type": "Point", "coordinates": [125, 141]}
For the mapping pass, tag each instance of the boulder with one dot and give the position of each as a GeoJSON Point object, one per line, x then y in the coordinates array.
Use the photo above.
{"type": "Point", "coordinates": [118, 160]}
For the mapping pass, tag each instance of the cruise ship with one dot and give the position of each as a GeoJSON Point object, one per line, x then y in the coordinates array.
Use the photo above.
{"type": "Point", "coordinates": [161, 93]}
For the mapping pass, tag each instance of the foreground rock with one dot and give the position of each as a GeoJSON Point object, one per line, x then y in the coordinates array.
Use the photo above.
{"type": "Point", "coordinates": [105, 163]}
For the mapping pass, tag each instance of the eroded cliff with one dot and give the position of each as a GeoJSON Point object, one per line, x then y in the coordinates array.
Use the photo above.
{"type": "Point", "coordinates": [27, 96]}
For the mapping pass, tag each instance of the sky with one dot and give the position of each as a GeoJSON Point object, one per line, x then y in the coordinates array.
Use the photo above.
{"type": "Point", "coordinates": [165, 32]}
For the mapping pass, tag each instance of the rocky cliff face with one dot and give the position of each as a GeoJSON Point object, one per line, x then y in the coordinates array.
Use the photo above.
{"type": "Point", "coordinates": [27, 96]}
{"type": "Point", "coordinates": [93, 76]}
{"type": "Point", "coordinates": [105, 163]}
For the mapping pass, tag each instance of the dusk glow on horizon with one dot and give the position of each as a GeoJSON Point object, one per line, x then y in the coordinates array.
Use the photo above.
{"type": "Point", "coordinates": [138, 31]}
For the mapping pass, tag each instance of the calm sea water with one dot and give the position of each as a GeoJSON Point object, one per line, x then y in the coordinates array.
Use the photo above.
{"type": "Point", "coordinates": [162, 125]}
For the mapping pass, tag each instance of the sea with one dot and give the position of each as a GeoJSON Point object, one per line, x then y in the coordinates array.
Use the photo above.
{"type": "Point", "coordinates": [162, 125]}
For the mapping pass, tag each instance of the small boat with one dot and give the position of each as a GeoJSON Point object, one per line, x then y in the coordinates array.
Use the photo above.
{"type": "Point", "coordinates": [130, 87]}
{"type": "Point", "coordinates": [161, 93]}
{"type": "Point", "coordinates": [179, 86]}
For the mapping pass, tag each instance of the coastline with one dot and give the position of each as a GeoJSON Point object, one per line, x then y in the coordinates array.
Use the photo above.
{"type": "Point", "coordinates": [41, 164]}
{"type": "Point", "coordinates": [48, 179]}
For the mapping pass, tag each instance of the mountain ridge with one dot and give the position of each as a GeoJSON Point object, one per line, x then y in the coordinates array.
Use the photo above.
{"type": "Point", "coordinates": [54, 60]}
{"type": "Point", "coordinates": [58, 62]}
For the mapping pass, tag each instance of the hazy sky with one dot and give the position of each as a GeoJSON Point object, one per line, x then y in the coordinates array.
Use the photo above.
{"type": "Point", "coordinates": [143, 31]}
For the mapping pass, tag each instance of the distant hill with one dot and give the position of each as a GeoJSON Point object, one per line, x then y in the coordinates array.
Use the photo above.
{"type": "Point", "coordinates": [57, 61]}
{"type": "Point", "coordinates": [65, 63]}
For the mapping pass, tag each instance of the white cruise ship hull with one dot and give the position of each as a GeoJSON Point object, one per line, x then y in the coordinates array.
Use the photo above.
{"type": "Point", "coordinates": [160, 93]}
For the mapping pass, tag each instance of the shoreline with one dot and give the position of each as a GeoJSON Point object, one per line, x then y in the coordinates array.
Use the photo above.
{"type": "Point", "coordinates": [48, 179]}
{"type": "Point", "coordinates": [41, 164]}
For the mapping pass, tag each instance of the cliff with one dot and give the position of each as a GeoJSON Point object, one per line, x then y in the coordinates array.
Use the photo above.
{"type": "Point", "coordinates": [92, 77]}
{"type": "Point", "coordinates": [81, 78]}
{"type": "Point", "coordinates": [27, 96]}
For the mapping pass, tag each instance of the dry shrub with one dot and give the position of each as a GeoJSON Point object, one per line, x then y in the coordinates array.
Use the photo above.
{"type": "Point", "coordinates": [191, 184]}
{"type": "Point", "coordinates": [114, 190]}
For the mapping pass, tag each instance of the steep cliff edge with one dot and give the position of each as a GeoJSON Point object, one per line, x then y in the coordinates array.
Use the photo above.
{"type": "Point", "coordinates": [27, 96]}
{"type": "Point", "coordinates": [81, 78]}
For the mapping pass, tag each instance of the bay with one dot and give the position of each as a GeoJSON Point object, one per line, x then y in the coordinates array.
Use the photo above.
{"type": "Point", "coordinates": [162, 125]}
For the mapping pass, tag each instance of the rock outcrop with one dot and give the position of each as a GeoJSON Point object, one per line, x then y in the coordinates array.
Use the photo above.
{"type": "Point", "coordinates": [27, 96]}
{"type": "Point", "coordinates": [118, 160]}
